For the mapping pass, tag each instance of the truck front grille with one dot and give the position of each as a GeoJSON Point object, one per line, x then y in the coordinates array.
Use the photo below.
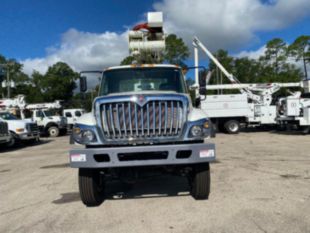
{"type": "Point", "coordinates": [32, 127]}
{"type": "Point", "coordinates": [155, 119]}
{"type": "Point", "coordinates": [3, 128]}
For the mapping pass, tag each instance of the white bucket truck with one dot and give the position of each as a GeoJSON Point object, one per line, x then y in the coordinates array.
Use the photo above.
{"type": "Point", "coordinates": [253, 106]}
{"type": "Point", "coordinates": [42, 113]}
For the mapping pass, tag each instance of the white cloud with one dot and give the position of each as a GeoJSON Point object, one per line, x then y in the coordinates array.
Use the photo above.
{"type": "Point", "coordinates": [227, 24]}
{"type": "Point", "coordinates": [252, 54]}
{"type": "Point", "coordinates": [83, 51]}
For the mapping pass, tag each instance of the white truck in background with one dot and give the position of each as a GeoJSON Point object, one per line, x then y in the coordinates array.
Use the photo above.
{"type": "Point", "coordinates": [47, 117]}
{"type": "Point", "coordinates": [20, 130]}
{"type": "Point", "coordinates": [42, 113]}
{"type": "Point", "coordinates": [72, 115]}
{"type": "Point", "coordinates": [294, 110]}
{"type": "Point", "coordinates": [253, 106]}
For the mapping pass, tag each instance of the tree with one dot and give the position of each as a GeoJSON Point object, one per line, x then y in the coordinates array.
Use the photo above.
{"type": "Point", "coordinates": [14, 69]}
{"type": "Point", "coordinates": [247, 70]}
{"type": "Point", "coordinates": [276, 53]}
{"type": "Point", "coordinates": [300, 50]}
{"type": "Point", "coordinates": [58, 83]}
{"type": "Point", "coordinates": [176, 51]}
{"type": "Point", "coordinates": [127, 60]}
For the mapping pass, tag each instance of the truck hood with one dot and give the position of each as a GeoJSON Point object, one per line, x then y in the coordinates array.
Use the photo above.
{"type": "Point", "coordinates": [14, 124]}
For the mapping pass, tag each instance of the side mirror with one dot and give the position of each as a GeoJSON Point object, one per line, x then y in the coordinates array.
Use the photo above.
{"type": "Point", "coordinates": [83, 84]}
{"type": "Point", "coordinates": [202, 82]}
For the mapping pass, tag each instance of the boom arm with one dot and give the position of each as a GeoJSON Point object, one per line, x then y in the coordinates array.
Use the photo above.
{"type": "Point", "coordinates": [197, 43]}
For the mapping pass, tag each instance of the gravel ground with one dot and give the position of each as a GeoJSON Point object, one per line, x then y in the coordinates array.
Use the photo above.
{"type": "Point", "coordinates": [260, 183]}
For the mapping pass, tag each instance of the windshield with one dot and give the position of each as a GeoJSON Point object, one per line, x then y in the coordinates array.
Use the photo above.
{"type": "Point", "coordinates": [142, 79]}
{"type": "Point", "coordinates": [7, 116]}
{"type": "Point", "coordinates": [49, 113]}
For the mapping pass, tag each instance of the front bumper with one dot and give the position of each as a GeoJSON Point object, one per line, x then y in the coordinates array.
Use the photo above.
{"type": "Point", "coordinates": [130, 156]}
{"type": "Point", "coordinates": [28, 136]}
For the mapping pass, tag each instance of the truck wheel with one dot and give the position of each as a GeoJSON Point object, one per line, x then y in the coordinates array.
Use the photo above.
{"type": "Point", "coordinates": [200, 181]}
{"type": "Point", "coordinates": [305, 130]}
{"type": "Point", "coordinates": [91, 186]}
{"type": "Point", "coordinates": [53, 131]}
{"type": "Point", "coordinates": [232, 126]}
{"type": "Point", "coordinates": [12, 142]}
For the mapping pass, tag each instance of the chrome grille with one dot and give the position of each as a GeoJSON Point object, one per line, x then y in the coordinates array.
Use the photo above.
{"type": "Point", "coordinates": [3, 128]}
{"type": "Point", "coordinates": [156, 118]}
{"type": "Point", "coordinates": [32, 127]}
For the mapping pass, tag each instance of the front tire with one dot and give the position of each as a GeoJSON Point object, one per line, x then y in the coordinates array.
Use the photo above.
{"type": "Point", "coordinates": [91, 186]}
{"type": "Point", "coordinates": [12, 141]}
{"type": "Point", "coordinates": [53, 131]}
{"type": "Point", "coordinates": [200, 181]}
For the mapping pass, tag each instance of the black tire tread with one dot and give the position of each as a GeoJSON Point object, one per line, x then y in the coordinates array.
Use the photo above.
{"type": "Point", "coordinates": [200, 188]}
{"type": "Point", "coordinates": [88, 187]}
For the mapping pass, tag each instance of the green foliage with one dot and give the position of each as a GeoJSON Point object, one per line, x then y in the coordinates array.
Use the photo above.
{"type": "Point", "coordinates": [300, 48]}
{"type": "Point", "coordinates": [58, 83]}
{"type": "Point", "coordinates": [127, 60]}
{"type": "Point", "coordinates": [273, 66]}
{"type": "Point", "coordinates": [176, 51]}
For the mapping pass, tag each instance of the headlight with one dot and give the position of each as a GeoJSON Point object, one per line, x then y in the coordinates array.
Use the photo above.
{"type": "Point", "coordinates": [83, 136]}
{"type": "Point", "coordinates": [196, 131]}
{"type": "Point", "coordinates": [88, 136]}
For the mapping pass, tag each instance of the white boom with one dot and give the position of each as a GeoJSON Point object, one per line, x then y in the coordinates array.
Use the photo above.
{"type": "Point", "coordinates": [197, 43]}
{"type": "Point", "coordinates": [19, 102]}
{"type": "Point", "coordinates": [263, 92]}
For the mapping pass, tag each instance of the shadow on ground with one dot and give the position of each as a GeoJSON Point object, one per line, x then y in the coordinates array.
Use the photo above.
{"type": "Point", "coordinates": [62, 165]}
{"type": "Point", "coordinates": [153, 187]}
{"type": "Point", "coordinates": [21, 145]}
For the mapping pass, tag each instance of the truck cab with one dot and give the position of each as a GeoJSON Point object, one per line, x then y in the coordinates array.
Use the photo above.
{"type": "Point", "coordinates": [72, 115]}
{"type": "Point", "coordinates": [142, 118]}
{"type": "Point", "coordinates": [50, 122]}
{"type": "Point", "coordinates": [20, 130]}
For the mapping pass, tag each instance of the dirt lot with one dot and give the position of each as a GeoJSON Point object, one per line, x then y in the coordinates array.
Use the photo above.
{"type": "Point", "coordinates": [260, 183]}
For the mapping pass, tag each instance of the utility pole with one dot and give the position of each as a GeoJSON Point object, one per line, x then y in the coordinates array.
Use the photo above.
{"type": "Point", "coordinates": [8, 83]}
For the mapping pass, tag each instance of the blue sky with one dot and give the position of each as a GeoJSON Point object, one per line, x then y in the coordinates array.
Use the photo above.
{"type": "Point", "coordinates": [93, 33]}
{"type": "Point", "coordinates": [30, 26]}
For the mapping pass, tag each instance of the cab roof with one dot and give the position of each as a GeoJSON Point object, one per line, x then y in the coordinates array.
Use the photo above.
{"type": "Point", "coordinates": [142, 66]}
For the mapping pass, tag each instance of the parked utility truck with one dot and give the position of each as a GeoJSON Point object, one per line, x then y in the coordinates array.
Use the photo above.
{"type": "Point", "coordinates": [41, 113]}
{"type": "Point", "coordinates": [142, 120]}
{"type": "Point", "coordinates": [254, 106]}
{"type": "Point", "coordinates": [20, 130]}
{"type": "Point", "coordinates": [294, 110]}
